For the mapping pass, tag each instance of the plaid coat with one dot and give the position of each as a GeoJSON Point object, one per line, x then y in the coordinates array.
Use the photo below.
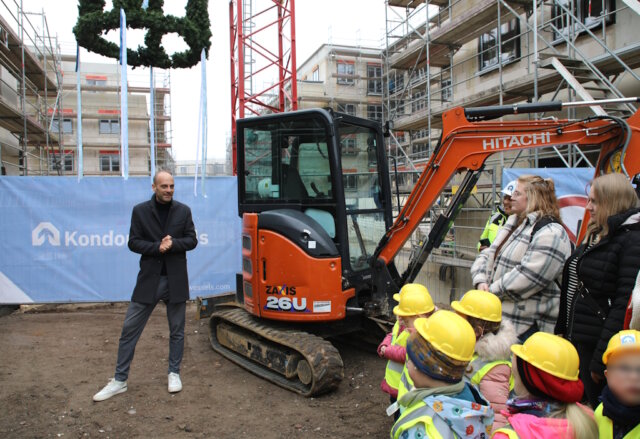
{"type": "Point", "coordinates": [523, 272]}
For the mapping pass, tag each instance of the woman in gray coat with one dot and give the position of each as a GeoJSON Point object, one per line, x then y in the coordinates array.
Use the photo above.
{"type": "Point", "coordinates": [526, 258]}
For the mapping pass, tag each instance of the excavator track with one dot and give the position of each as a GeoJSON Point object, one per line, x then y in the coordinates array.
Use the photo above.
{"type": "Point", "coordinates": [290, 358]}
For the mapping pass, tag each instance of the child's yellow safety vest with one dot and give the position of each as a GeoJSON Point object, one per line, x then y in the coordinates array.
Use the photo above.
{"type": "Point", "coordinates": [394, 369]}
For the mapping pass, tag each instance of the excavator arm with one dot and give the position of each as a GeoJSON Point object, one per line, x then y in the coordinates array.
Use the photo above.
{"type": "Point", "coordinates": [469, 138]}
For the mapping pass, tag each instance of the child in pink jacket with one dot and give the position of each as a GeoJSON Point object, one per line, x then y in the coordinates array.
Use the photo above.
{"type": "Point", "coordinates": [490, 367]}
{"type": "Point", "coordinates": [414, 302]}
{"type": "Point", "coordinates": [547, 392]}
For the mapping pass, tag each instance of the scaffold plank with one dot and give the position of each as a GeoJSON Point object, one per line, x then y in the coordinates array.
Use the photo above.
{"type": "Point", "coordinates": [33, 68]}
{"type": "Point", "coordinates": [452, 34]}
{"type": "Point", "coordinates": [12, 120]}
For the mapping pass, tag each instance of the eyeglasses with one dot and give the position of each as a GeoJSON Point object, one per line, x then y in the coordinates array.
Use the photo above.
{"type": "Point", "coordinates": [625, 370]}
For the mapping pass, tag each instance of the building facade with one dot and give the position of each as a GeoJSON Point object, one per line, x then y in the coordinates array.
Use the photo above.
{"type": "Point", "coordinates": [347, 79]}
{"type": "Point", "coordinates": [101, 121]}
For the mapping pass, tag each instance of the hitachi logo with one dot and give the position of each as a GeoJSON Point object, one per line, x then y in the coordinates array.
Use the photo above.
{"type": "Point", "coordinates": [514, 141]}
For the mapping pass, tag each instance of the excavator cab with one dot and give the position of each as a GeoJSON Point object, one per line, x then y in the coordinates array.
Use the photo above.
{"type": "Point", "coordinates": [314, 195]}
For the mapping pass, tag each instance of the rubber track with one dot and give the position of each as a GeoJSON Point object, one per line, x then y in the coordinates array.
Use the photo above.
{"type": "Point", "coordinates": [323, 358]}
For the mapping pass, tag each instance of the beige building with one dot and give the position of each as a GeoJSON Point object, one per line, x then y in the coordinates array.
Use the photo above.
{"type": "Point", "coordinates": [492, 52]}
{"type": "Point", "coordinates": [345, 78]}
{"type": "Point", "coordinates": [101, 119]}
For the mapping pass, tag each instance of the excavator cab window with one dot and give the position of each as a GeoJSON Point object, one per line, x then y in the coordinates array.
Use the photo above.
{"type": "Point", "coordinates": [362, 192]}
{"type": "Point", "coordinates": [287, 161]}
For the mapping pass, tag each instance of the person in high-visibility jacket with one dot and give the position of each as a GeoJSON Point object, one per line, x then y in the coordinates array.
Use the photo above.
{"type": "Point", "coordinates": [490, 367]}
{"type": "Point", "coordinates": [441, 404]}
{"type": "Point", "coordinates": [618, 416]}
{"type": "Point", "coordinates": [547, 388]}
{"type": "Point", "coordinates": [414, 301]}
{"type": "Point", "coordinates": [497, 218]}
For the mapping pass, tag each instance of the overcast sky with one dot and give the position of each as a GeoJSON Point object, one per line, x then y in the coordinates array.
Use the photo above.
{"type": "Point", "coordinates": [342, 21]}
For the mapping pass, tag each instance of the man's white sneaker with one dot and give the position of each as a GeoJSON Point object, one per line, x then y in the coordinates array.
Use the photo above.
{"type": "Point", "coordinates": [175, 384]}
{"type": "Point", "coordinates": [111, 389]}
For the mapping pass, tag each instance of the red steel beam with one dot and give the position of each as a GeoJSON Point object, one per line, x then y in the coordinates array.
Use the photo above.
{"type": "Point", "coordinates": [273, 59]}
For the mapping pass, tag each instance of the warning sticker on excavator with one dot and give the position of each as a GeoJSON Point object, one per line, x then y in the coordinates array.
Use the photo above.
{"type": "Point", "coordinates": [321, 306]}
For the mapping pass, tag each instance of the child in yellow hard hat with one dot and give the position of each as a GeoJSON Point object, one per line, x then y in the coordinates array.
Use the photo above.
{"type": "Point", "coordinates": [490, 367]}
{"type": "Point", "coordinates": [618, 416]}
{"type": "Point", "coordinates": [441, 403]}
{"type": "Point", "coordinates": [414, 302]}
{"type": "Point", "coordinates": [548, 389]}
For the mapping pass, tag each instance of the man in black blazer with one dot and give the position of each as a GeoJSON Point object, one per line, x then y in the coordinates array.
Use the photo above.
{"type": "Point", "coordinates": [162, 231]}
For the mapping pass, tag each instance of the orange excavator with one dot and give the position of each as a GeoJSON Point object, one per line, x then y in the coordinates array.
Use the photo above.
{"type": "Point", "coordinates": [318, 237]}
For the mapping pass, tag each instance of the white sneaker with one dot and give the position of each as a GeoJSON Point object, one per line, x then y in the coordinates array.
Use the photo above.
{"type": "Point", "coordinates": [111, 389]}
{"type": "Point", "coordinates": [175, 384]}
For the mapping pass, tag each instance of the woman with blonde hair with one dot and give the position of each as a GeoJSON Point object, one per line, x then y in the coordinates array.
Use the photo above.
{"type": "Point", "coordinates": [599, 276]}
{"type": "Point", "coordinates": [525, 259]}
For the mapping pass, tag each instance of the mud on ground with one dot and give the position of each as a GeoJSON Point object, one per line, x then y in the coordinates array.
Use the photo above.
{"type": "Point", "coordinates": [51, 364]}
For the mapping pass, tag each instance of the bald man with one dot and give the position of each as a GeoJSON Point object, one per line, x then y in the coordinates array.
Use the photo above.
{"type": "Point", "coordinates": [162, 231]}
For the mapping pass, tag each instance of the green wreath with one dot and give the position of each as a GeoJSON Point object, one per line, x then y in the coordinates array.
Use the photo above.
{"type": "Point", "coordinates": [194, 28]}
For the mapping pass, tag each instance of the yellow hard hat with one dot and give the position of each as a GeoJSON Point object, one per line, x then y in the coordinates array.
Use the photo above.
{"type": "Point", "coordinates": [448, 333]}
{"type": "Point", "coordinates": [479, 304]}
{"type": "Point", "coordinates": [623, 341]}
{"type": "Point", "coordinates": [550, 353]}
{"type": "Point", "coordinates": [414, 300]}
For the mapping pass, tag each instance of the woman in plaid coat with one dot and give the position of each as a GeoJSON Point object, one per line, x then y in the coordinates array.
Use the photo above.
{"type": "Point", "coordinates": [527, 257]}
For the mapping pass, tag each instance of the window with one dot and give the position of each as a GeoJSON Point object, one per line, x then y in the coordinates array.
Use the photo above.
{"type": "Point", "coordinates": [418, 75]}
{"type": "Point", "coordinates": [98, 82]}
{"type": "Point", "coordinates": [374, 112]}
{"type": "Point", "coordinates": [362, 193]}
{"type": "Point", "coordinates": [67, 126]}
{"type": "Point", "coordinates": [349, 147]}
{"type": "Point", "coordinates": [286, 161]}
{"type": "Point", "coordinates": [65, 164]}
{"type": "Point", "coordinates": [315, 75]}
{"type": "Point", "coordinates": [396, 83]}
{"type": "Point", "coordinates": [397, 107]}
{"type": "Point", "coordinates": [109, 126]}
{"type": "Point", "coordinates": [374, 78]}
{"type": "Point", "coordinates": [346, 73]}
{"type": "Point", "coordinates": [347, 109]}
{"type": "Point", "coordinates": [446, 91]}
{"type": "Point", "coordinates": [110, 162]}
{"type": "Point", "coordinates": [488, 45]}
{"type": "Point", "coordinates": [418, 101]}
{"type": "Point", "coordinates": [419, 134]}
{"type": "Point", "coordinates": [350, 182]}
{"type": "Point", "coordinates": [420, 151]}
{"type": "Point", "coordinates": [590, 13]}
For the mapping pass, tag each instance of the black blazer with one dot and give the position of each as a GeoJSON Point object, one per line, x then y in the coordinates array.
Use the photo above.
{"type": "Point", "coordinates": [145, 237]}
{"type": "Point", "coordinates": [608, 270]}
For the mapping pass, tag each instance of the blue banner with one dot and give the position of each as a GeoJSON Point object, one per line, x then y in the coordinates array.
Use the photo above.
{"type": "Point", "coordinates": [65, 240]}
{"type": "Point", "coordinates": [571, 190]}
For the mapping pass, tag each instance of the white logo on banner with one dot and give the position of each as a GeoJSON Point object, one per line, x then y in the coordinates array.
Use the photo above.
{"type": "Point", "coordinates": [74, 238]}
{"type": "Point", "coordinates": [45, 230]}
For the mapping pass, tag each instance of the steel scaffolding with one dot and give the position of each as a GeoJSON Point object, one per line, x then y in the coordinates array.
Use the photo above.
{"type": "Point", "coordinates": [446, 53]}
{"type": "Point", "coordinates": [30, 91]}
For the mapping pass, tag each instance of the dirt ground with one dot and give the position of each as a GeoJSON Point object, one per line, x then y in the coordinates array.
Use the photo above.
{"type": "Point", "coordinates": [52, 363]}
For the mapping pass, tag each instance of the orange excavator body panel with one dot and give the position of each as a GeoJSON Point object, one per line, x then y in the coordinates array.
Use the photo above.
{"type": "Point", "coordinates": [285, 283]}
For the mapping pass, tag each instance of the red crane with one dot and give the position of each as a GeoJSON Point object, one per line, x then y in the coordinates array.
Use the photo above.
{"type": "Point", "coordinates": [263, 45]}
